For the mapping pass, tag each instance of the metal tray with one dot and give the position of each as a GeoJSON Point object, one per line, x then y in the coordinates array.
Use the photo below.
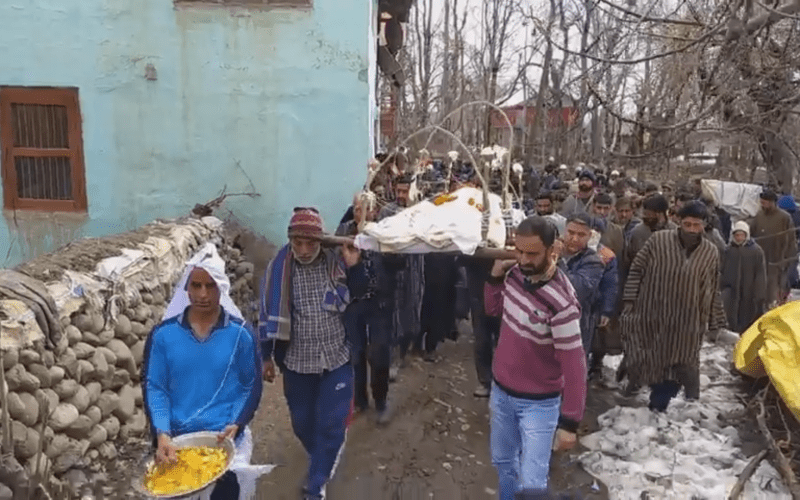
{"type": "Point", "coordinates": [185, 441]}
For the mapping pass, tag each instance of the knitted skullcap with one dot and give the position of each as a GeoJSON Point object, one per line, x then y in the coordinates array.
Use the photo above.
{"type": "Point", "coordinates": [306, 222]}
{"type": "Point", "coordinates": [768, 194]}
{"type": "Point", "coordinates": [696, 209]}
{"type": "Point", "coordinates": [656, 203]}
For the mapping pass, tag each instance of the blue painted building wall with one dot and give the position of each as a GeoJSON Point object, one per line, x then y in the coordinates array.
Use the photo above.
{"type": "Point", "coordinates": [278, 97]}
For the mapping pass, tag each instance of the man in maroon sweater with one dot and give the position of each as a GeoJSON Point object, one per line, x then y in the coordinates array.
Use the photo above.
{"type": "Point", "coordinates": [539, 367]}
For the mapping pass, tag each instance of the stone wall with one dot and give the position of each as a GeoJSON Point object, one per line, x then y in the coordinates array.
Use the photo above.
{"type": "Point", "coordinates": [76, 404]}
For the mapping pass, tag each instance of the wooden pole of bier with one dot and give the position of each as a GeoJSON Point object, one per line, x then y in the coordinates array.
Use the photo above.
{"type": "Point", "coordinates": [481, 253]}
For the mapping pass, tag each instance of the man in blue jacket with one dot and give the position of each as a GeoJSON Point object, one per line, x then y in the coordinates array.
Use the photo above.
{"type": "Point", "coordinates": [367, 322]}
{"type": "Point", "coordinates": [201, 369]}
{"type": "Point", "coordinates": [605, 307]}
{"type": "Point", "coordinates": [585, 271]}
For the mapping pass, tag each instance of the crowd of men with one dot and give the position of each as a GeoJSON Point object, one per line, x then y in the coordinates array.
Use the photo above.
{"type": "Point", "coordinates": [652, 270]}
{"type": "Point", "coordinates": [602, 265]}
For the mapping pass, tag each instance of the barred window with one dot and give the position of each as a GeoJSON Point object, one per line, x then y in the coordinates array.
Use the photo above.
{"type": "Point", "coordinates": [42, 149]}
{"type": "Point", "coordinates": [249, 3]}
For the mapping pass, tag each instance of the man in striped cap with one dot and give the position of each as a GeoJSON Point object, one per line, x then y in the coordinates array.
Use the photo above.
{"type": "Point", "coordinates": [305, 292]}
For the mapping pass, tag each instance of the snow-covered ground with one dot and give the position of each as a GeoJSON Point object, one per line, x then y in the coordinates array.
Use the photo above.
{"type": "Point", "coordinates": [685, 453]}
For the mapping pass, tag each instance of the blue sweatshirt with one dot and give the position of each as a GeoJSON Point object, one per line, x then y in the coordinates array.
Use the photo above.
{"type": "Point", "coordinates": [192, 385]}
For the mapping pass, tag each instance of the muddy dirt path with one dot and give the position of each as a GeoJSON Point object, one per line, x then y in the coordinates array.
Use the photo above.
{"type": "Point", "coordinates": [437, 445]}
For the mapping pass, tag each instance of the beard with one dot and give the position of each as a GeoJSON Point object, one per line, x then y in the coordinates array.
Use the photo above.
{"type": "Point", "coordinates": [303, 260]}
{"type": "Point", "coordinates": [584, 188]}
{"type": "Point", "coordinates": [534, 270]}
{"type": "Point", "coordinates": [690, 240]}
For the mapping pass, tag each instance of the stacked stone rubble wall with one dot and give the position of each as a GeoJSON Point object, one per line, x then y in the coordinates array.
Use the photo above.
{"type": "Point", "coordinates": [90, 381]}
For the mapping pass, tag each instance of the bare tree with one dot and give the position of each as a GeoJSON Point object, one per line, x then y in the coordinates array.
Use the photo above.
{"type": "Point", "coordinates": [499, 19]}
{"type": "Point", "coordinates": [731, 67]}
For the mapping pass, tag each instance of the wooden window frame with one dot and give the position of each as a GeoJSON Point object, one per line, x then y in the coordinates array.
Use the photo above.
{"type": "Point", "coordinates": [67, 97]}
{"type": "Point", "coordinates": [248, 4]}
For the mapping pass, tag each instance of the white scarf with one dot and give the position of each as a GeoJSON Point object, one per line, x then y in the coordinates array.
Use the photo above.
{"type": "Point", "coordinates": [206, 258]}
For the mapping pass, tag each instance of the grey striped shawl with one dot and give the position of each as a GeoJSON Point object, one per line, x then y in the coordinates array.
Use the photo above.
{"type": "Point", "coordinates": [676, 300]}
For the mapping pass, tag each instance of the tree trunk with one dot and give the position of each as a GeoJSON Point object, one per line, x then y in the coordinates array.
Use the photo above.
{"type": "Point", "coordinates": [539, 110]}
{"type": "Point", "coordinates": [779, 160]}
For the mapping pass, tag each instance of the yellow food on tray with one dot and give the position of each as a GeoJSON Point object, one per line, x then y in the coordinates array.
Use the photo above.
{"type": "Point", "coordinates": [195, 468]}
{"type": "Point", "coordinates": [444, 198]}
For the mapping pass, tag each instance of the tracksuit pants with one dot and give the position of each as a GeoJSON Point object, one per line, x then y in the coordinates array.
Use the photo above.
{"type": "Point", "coordinates": [320, 404]}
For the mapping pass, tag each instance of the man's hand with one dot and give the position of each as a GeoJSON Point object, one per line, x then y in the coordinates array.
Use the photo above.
{"type": "Point", "coordinates": [557, 249]}
{"type": "Point", "coordinates": [268, 371]}
{"type": "Point", "coordinates": [501, 267]}
{"type": "Point", "coordinates": [166, 452]}
{"type": "Point", "coordinates": [351, 255]}
{"type": "Point", "coordinates": [604, 321]}
{"type": "Point", "coordinates": [229, 432]}
{"type": "Point", "coordinates": [565, 440]}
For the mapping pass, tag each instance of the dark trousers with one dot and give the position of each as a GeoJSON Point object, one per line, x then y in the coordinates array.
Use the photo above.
{"type": "Point", "coordinates": [227, 487]}
{"type": "Point", "coordinates": [367, 325]}
{"type": "Point", "coordinates": [485, 328]}
{"type": "Point", "coordinates": [662, 393]}
{"type": "Point", "coordinates": [439, 301]}
{"type": "Point", "coordinates": [402, 307]}
{"type": "Point", "coordinates": [463, 305]}
{"type": "Point", "coordinates": [319, 404]}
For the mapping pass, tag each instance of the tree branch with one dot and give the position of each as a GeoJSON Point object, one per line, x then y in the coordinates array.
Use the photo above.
{"type": "Point", "coordinates": [640, 60]}
{"type": "Point", "coordinates": [783, 464]}
{"type": "Point", "coordinates": [748, 471]}
{"type": "Point", "coordinates": [651, 19]}
{"type": "Point", "coordinates": [767, 19]}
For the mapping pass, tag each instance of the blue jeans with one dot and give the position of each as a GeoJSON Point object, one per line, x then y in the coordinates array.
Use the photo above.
{"type": "Point", "coordinates": [522, 432]}
{"type": "Point", "coordinates": [319, 405]}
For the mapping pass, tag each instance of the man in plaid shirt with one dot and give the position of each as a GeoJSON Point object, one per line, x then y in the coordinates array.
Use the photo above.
{"type": "Point", "coordinates": [304, 295]}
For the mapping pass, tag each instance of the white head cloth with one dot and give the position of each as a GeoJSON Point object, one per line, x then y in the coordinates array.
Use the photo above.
{"type": "Point", "coordinates": [208, 259]}
{"type": "Point", "coordinates": [594, 240]}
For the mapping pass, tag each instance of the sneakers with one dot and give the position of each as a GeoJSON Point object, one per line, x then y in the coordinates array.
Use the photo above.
{"type": "Point", "coordinates": [359, 409]}
{"type": "Point", "coordinates": [481, 392]}
{"type": "Point", "coordinates": [393, 372]}
{"type": "Point", "coordinates": [429, 357]}
{"type": "Point", "coordinates": [382, 414]}
{"type": "Point", "coordinates": [311, 496]}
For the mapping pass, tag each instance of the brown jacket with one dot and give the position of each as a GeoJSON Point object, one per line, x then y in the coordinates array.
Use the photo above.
{"type": "Point", "coordinates": [614, 238]}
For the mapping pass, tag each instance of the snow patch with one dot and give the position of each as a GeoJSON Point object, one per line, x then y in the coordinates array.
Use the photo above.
{"type": "Point", "coordinates": [687, 452]}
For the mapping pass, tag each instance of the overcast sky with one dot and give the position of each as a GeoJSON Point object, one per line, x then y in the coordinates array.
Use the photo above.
{"type": "Point", "coordinates": [473, 35]}
{"type": "Point", "coordinates": [518, 36]}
